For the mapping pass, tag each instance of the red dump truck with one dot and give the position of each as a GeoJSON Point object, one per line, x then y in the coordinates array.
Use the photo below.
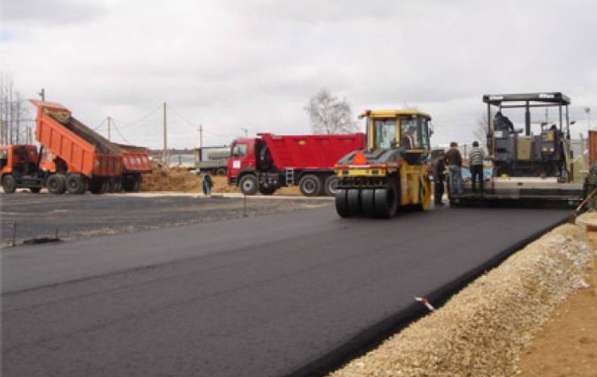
{"type": "Point", "coordinates": [268, 162]}
{"type": "Point", "coordinates": [72, 158]}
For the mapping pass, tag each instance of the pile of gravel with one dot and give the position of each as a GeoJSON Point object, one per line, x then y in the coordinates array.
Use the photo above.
{"type": "Point", "coordinates": [482, 330]}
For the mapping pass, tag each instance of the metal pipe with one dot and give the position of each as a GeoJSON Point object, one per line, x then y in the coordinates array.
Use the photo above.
{"type": "Point", "coordinates": [527, 121]}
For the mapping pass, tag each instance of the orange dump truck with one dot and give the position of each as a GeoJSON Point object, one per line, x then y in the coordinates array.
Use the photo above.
{"type": "Point", "coordinates": [72, 158]}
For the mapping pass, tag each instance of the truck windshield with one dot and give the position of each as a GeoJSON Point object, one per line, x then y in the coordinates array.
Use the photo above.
{"type": "Point", "coordinates": [239, 150]}
{"type": "Point", "coordinates": [385, 133]}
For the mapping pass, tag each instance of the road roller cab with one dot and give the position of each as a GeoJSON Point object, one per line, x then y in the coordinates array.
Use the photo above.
{"type": "Point", "coordinates": [392, 171]}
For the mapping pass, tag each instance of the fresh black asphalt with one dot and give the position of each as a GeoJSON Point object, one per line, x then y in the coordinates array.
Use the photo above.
{"type": "Point", "coordinates": [259, 296]}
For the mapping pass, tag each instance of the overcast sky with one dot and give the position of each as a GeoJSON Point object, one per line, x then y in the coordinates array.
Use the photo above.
{"type": "Point", "coordinates": [254, 63]}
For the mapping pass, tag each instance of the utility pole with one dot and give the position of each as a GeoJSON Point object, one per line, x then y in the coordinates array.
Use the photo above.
{"type": "Point", "coordinates": [42, 94]}
{"type": "Point", "coordinates": [109, 128]}
{"type": "Point", "coordinates": [165, 151]}
{"type": "Point", "coordinates": [10, 114]}
{"type": "Point", "coordinates": [18, 106]}
{"type": "Point", "coordinates": [200, 136]}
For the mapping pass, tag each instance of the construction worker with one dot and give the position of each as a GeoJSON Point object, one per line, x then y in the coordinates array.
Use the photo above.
{"type": "Point", "coordinates": [207, 184]}
{"type": "Point", "coordinates": [439, 177]}
{"type": "Point", "coordinates": [475, 162]}
{"type": "Point", "coordinates": [454, 162]}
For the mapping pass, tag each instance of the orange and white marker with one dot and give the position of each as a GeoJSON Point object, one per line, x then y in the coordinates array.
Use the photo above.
{"type": "Point", "coordinates": [424, 301]}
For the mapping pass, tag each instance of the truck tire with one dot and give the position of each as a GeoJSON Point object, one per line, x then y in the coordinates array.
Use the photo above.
{"type": "Point", "coordinates": [249, 185]}
{"type": "Point", "coordinates": [330, 186]}
{"type": "Point", "coordinates": [96, 186]}
{"type": "Point", "coordinates": [75, 184]}
{"type": "Point", "coordinates": [131, 183]}
{"type": "Point", "coordinates": [56, 184]}
{"type": "Point", "coordinates": [9, 184]}
{"type": "Point", "coordinates": [137, 184]}
{"type": "Point", "coordinates": [267, 190]}
{"type": "Point", "coordinates": [310, 185]}
{"type": "Point", "coordinates": [117, 185]}
{"type": "Point", "coordinates": [221, 171]}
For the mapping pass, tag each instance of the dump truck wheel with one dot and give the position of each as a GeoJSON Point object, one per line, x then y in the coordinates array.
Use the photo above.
{"type": "Point", "coordinates": [249, 185]}
{"type": "Point", "coordinates": [129, 183]}
{"type": "Point", "coordinates": [353, 197]}
{"type": "Point", "coordinates": [109, 186]}
{"type": "Point", "coordinates": [35, 190]}
{"type": "Point", "coordinates": [368, 202]}
{"type": "Point", "coordinates": [9, 184]}
{"type": "Point", "coordinates": [75, 184]}
{"type": "Point", "coordinates": [117, 185]}
{"type": "Point", "coordinates": [137, 185]}
{"type": "Point", "coordinates": [220, 171]}
{"type": "Point", "coordinates": [342, 203]}
{"type": "Point", "coordinates": [310, 185]}
{"type": "Point", "coordinates": [267, 190]}
{"type": "Point", "coordinates": [96, 186]}
{"type": "Point", "coordinates": [330, 186]}
{"type": "Point", "coordinates": [386, 202]}
{"type": "Point", "coordinates": [56, 184]}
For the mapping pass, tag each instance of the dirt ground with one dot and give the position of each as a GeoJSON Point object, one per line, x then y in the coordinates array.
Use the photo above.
{"type": "Point", "coordinates": [181, 180]}
{"type": "Point", "coordinates": [567, 344]}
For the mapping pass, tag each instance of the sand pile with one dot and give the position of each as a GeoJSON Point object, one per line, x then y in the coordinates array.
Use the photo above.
{"type": "Point", "coordinates": [221, 185]}
{"type": "Point", "coordinates": [483, 329]}
{"type": "Point", "coordinates": [172, 179]}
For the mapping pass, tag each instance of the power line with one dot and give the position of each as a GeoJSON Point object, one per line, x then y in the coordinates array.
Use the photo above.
{"type": "Point", "coordinates": [141, 119]}
{"type": "Point", "coordinates": [120, 133]}
{"type": "Point", "coordinates": [100, 125]}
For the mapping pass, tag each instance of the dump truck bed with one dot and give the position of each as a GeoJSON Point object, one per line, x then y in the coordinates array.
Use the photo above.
{"type": "Point", "coordinates": [311, 151]}
{"type": "Point", "coordinates": [82, 149]}
{"type": "Point", "coordinates": [135, 159]}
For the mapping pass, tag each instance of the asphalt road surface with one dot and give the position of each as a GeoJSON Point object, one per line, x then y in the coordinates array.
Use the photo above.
{"type": "Point", "coordinates": [248, 297]}
{"type": "Point", "coordinates": [83, 216]}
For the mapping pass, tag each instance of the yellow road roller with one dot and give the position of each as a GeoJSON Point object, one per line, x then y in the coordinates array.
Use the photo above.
{"type": "Point", "coordinates": [392, 171]}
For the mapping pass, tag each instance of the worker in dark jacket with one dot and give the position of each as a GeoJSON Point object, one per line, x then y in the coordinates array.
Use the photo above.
{"type": "Point", "coordinates": [454, 162]}
{"type": "Point", "coordinates": [207, 184]}
{"type": "Point", "coordinates": [438, 169]}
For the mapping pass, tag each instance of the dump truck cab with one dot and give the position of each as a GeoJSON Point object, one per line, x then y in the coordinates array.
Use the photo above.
{"type": "Point", "coordinates": [392, 171]}
{"type": "Point", "coordinates": [18, 167]}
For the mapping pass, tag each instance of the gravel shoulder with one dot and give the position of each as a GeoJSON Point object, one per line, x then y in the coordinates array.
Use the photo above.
{"type": "Point", "coordinates": [76, 217]}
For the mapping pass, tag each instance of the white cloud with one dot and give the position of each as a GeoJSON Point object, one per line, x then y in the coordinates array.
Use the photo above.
{"type": "Point", "coordinates": [235, 64]}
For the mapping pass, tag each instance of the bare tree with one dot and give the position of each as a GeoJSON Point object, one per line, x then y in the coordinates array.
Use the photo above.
{"type": "Point", "coordinates": [15, 122]}
{"type": "Point", "coordinates": [330, 115]}
{"type": "Point", "coordinates": [480, 132]}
